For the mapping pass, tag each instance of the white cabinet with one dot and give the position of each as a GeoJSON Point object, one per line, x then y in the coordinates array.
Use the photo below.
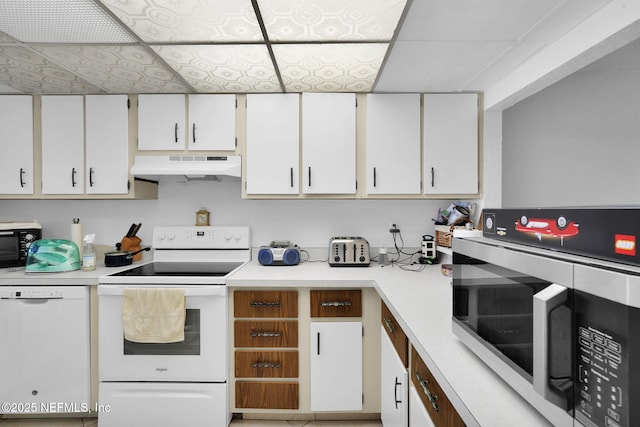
{"type": "Point", "coordinates": [328, 143]}
{"type": "Point", "coordinates": [451, 143]}
{"type": "Point", "coordinates": [393, 144]}
{"type": "Point", "coordinates": [418, 415]}
{"type": "Point", "coordinates": [394, 382]}
{"type": "Point", "coordinates": [212, 122]}
{"type": "Point", "coordinates": [16, 143]}
{"type": "Point", "coordinates": [273, 143]}
{"type": "Point", "coordinates": [336, 366]}
{"type": "Point", "coordinates": [63, 144]}
{"type": "Point", "coordinates": [107, 144]}
{"type": "Point", "coordinates": [161, 122]}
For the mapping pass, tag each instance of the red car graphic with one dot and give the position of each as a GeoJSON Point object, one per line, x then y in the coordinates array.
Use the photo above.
{"type": "Point", "coordinates": [560, 227]}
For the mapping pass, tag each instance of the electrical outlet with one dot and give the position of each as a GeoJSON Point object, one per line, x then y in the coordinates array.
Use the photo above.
{"type": "Point", "coordinates": [394, 228]}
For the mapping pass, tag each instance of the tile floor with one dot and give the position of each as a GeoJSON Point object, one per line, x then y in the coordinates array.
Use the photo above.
{"type": "Point", "coordinates": [92, 422]}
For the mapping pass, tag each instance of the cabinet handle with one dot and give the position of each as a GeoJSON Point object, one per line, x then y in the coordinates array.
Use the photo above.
{"type": "Point", "coordinates": [90, 177]}
{"type": "Point", "coordinates": [395, 392]}
{"type": "Point", "coordinates": [424, 384]}
{"type": "Point", "coordinates": [22, 183]}
{"type": "Point", "coordinates": [73, 177]}
{"type": "Point", "coordinates": [433, 177]}
{"type": "Point", "coordinates": [389, 325]}
{"type": "Point", "coordinates": [374, 177]}
{"type": "Point", "coordinates": [265, 334]}
{"type": "Point", "coordinates": [336, 303]}
{"type": "Point", "coordinates": [318, 348]}
{"type": "Point", "coordinates": [309, 176]}
{"type": "Point", "coordinates": [291, 177]}
{"type": "Point", "coordinates": [264, 304]}
{"type": "Point", "coordinates": [266, 365]}
{"type": "Point", "coordinates": [194, 133]}
{"type": "Point", "coordinates": [175, 132]}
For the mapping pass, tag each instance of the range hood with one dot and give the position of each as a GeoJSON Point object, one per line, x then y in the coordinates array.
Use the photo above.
{"type": "Point", "coordinates": [191, 167]}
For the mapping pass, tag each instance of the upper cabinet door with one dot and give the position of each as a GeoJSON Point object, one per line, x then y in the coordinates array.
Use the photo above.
{"type": "Point", "coordinates": [451, 143]}
{"type": "Point", "coordinates": [107, 144]}
{"type": "Point", "coordinates": [212, 122]}
{"type": "Point", "coordinates": [328, 143]}
{"type": "Point", "coordinates": [63, 144]}
{"type": "Point", "coordinates": [16, 143]}
{"type": "Point", "coordinates": [161, 122]}
{"type": "Point", "coordinates": [393, 143]}
{"type": "Point", "coordinates": [273, 144]}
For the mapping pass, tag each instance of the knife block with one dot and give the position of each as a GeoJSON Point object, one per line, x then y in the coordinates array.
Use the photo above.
{"type": "Point", "coordinates": [132, 244]}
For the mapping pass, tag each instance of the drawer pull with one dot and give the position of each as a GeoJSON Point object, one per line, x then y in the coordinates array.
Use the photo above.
{"type": "Point", "coordinates": [265, 334]}
{"type": "Point", "coordinates": [259, 304]}
{"type": "Point", "coordinates": [389, 325]}
{"type": "Point", "coordinates": [336, 303]}
{"type": "Point", "coordinates": [266, 365]}
{"type": "Point", "coordinates": [424, 384]}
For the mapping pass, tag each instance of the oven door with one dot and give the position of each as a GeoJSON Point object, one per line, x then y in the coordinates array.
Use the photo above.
{"type": "Point", "coordinates": [202, 356]}
{"type": "Point", "coordinates": [514, 310]}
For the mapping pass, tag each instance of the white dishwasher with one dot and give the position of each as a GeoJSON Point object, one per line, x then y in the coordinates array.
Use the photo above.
{"type": "Point", "coordinates": [44, 349]}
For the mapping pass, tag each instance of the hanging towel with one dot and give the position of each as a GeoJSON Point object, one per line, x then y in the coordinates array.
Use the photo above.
{"type": "Point", "coordinates": [153, 315]}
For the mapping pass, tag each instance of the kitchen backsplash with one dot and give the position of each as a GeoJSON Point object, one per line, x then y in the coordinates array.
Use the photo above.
{"type": "Point", "coordinates": [308, 223]}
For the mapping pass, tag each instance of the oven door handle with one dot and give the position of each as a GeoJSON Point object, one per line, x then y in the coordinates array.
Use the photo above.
{"type": "Point", "coordinates": [193, 291]}
{"type": "Point", "coordinates": [544, 302]}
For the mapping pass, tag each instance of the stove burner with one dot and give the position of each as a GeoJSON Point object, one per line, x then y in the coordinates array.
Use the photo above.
{"type": "Point", "coordinates": [215, 269]}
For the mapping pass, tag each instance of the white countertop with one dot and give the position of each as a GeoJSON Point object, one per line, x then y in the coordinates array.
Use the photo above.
{"type": "Point", "coordinates": [421, 303]}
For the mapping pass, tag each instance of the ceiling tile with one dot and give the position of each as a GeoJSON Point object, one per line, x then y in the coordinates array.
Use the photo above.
{"type": "Point", "coordinates": [437, 65]}
{"type": "Point", "coordinates": [345, 20]}
{"type": "Point", "coordinates": [473, 19]}
{"type": "Point", "coordinates": [5, 38]}
{"type": "Point", "coordinates": [188, 20]}
{"type": "Point", "coordinates": [26, 71]}
{"type": "Point", "coordinates": [60, 21]}
{"type": "Point", "coordinates": [117, 69]}
{"type": "Point", "coordinates": [8, 89]}
{"type": "Point", "coordinates": [329, 67]}
{"type": "Point", "coordinates": [223, 68]}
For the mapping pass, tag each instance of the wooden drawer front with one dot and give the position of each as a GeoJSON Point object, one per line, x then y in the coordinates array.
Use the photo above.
{"type": "Point", "coordinates": [265, 304]}
{"type": "Point", "coordinates": [264, 333]}
{"type": "Point", "coordinates": [336, 303]}
{"type": "Point", "coordinates": [442, 412]}
{"type": "Point", "coordinates": [266, 364]}
{"type": "Point", "coordinates": [264, 395]}
{"type": "Point", "coordinates": [398, 338]}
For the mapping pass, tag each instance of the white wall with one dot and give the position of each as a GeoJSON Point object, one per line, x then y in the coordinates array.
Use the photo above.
{"type": "Point", "coordinates": [308, 223]}
{"type": "Point", "coordinates": [576, 142]}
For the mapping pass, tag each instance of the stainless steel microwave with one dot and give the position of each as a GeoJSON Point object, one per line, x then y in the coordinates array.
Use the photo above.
{"type": "Point", "coordinates": [558, 328]}
{"type": "Point", "coordinates": [15, 240]}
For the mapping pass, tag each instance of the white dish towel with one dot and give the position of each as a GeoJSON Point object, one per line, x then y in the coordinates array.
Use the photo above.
{"type": "Point", "coordinates": [154, 315]}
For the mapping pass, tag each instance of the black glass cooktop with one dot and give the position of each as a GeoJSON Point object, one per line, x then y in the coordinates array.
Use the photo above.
{"type": "Point", "coordinates": [216, 269]}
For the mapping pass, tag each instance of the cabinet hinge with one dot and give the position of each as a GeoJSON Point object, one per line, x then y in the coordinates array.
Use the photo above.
{"type": "Point", "coordinates": [363, 331]}
{"type": "Point", "coordinates": [236, 103]}
{"type": "Point", "coordinates": [236, 138]}
{"type": "Point", "coordinates": [128, 104]}
{"type": "Point", "coordinates": [356, 102]}
{"type": "Point", "coordinates": [129, 185]}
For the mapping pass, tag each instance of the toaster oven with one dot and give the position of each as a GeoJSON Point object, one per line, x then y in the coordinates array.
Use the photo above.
{"type": "Point", "coordinates": [15, 240]}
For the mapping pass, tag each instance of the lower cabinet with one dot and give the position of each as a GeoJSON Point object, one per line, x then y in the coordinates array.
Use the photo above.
{"type": "Point", "coordinates": [440, 409]}
{"type": "Point", "coordinates": [304, 352]}
{"type": "Point", "coordinates": [336, 366]}
{"type": "Point", "coordinates": [418, 415]}
{"type": "Point", "coordinates": [394, 380]}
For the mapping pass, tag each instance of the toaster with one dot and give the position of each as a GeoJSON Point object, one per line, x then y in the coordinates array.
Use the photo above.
{"type": "Point", "coordinates": [348, 252]}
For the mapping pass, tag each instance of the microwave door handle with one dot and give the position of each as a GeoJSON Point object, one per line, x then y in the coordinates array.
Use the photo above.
{"type": "Point", "coordinates": [544, 302]}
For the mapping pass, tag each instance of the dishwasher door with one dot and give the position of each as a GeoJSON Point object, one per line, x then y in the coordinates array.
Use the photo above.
{"type": "Point", "coordinates": [44, 349]}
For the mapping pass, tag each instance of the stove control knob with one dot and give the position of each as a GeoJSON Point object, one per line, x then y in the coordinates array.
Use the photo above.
{"type": "Point", "coordinates": [172, 236]}
{"type": "Point", "coordinates": [227, 236]}
{"type": "Point", "coordinates": [238, 236]}
{"type": "Point", "coordinates": [161, 236]}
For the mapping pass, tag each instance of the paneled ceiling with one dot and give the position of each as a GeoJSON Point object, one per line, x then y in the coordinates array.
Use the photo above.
{"type": "Point", "coordinates": [248, 46]}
